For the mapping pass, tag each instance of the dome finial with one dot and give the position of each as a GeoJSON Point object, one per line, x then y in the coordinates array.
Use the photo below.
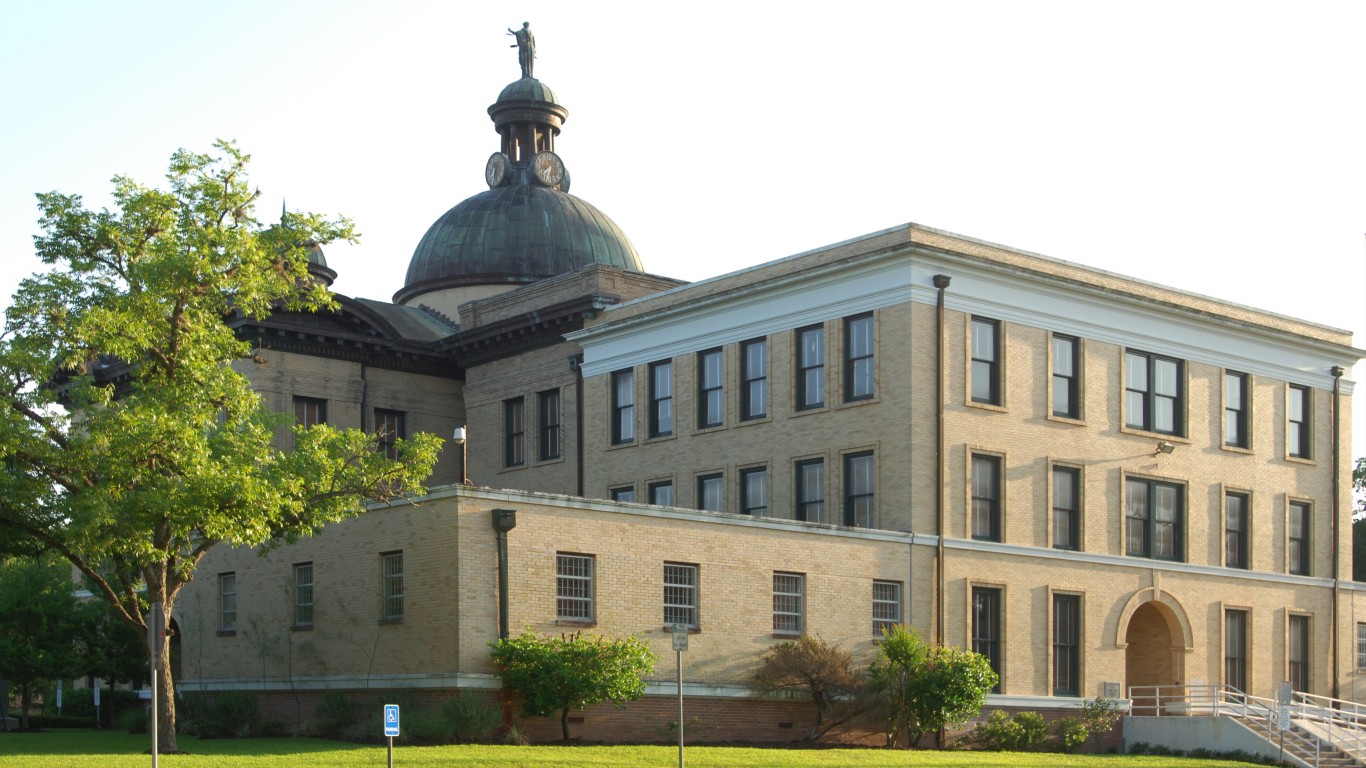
{"type": "Point", "coordinates": [526, 48]}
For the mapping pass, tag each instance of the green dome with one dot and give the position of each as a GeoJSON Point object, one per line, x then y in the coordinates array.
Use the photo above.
{"type": "Point", "coordinates": [528, 89]}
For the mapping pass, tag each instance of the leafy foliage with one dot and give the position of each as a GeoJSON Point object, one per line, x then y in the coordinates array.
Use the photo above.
{"type": "Point", "coordinates": [924, 688]}
{"type": "Point", "coordinates": [822, 670]}
{"type": "Point", "coordinates": [1021, 732]}
{"type": "Point", "coordinates": [572, 671]}
{"type": "Point", "coordinates": [41, 625]}
{"type": "Point", "coordinates": [1100, 716]}
{"type": "Point", "coordinates": [131, 444]}
{"type": "Point", "coordinates": [1359, 521]}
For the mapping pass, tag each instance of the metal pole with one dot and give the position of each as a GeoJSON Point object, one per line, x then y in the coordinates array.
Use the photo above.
{"type": "Point", "coordinates": [153, 723]}
{"type": "Point", "coordinates": [391, 751]}
{"type": "Point", "coordinates": [679, 654]}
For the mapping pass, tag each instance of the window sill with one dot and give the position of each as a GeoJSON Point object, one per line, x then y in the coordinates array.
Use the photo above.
{"type": "Point", "coordinates": [622, 444]}
{"type": "Point", "coordinates": [227, 633]}
{"type": "Point", "coordinates": [582, 623]}
{"type": "Point", "coordinates": [859, 401]}
{"type": "Point", "coordinates": [550, 460]}
{"type": "Point", "coordinates": [994, 407]}
{"type": "Point", "coordinates": [395, 620]}
{"type": "Point", "coordinates": [661, 438]}
{"type": "Point", "coordinates": [668, 629]}
{"type": "Point", "coordinates": [1236, 449]}
{"type": "Point", "coordinates": [1307, 461]}
{"type": "Point", "coordinates": [301, 628]}
{"type": "Point", "coordinates": [1169, 436]}
{"type": "Point", "coordinates": [764, 419]}
{"type": "Point", "coordinates": [822, 408]}
{"type": "Point", "coordinates": [1068, 420]}
{"type": "Point", "coordinates": [786, 635]}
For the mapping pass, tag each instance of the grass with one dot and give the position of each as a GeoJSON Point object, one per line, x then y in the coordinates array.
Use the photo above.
{"type": "Point", "coordinates": [112, 749]}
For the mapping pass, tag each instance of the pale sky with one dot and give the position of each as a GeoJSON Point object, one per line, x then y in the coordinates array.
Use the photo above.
{"type": "Point", "coordinates": [1216, 147]}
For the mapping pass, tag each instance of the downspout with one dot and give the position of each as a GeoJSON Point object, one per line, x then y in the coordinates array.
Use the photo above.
{"type": "Point", "coordinates": [1337, 372]}
{"type": "Point", "coordinates": [941, 282]}
{"type": "Point", "coordinates": [576, 365]}
{"type": "Point", "coordinates": [504, 520]}
{"type": "Point", "coordinates": [364, 396]}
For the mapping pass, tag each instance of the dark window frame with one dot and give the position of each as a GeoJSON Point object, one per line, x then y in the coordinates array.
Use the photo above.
{"type": "Point", "coordinates": [661, 398]}
{"type": "Point", "coordinates": [1299, 411]}
{"type": "Point", "coordinates": [549, 418]}
{"type": "Point", "coordinates": [712, 483]}
{"type": "Point", "coordinates": [711, 388]}
{"type": "Point", "coordinates": [1066, 645]}
{"type": "Point", "coordinates": [392, 590]}
{"type": "Point", "coordinates": [807, 505]}
{"type": "Point", "coordinates": [304, 594]}
{"type": "Point", "coordinates": [1298, 651]}
{"type": "Point", "coordinates": [655, 489]}
{"type": "Point", "coordinates": [1145, 396]}
{"type": "Point", "coordinates": [754, 481]}
{"type": "Point", "coordinates": [1299, 546]}
{"type": "Point", "coordinates": [623, 383]}
{"type": "Point", "coordinates": [1148, 525]}
{"type": "Point", "coordinates": [860, 357]}
{"type": "Point", "coordinates": [986, 361]}
{"type": "Point", "coordinates": [886, 605]}
{"type": "Point", "coordinates": [789, 605]}
{"type": "Point", "coordinates": [1235, 648]}
{"type": "Point", "coordinates": [390, 427]}
{"type": "Point", "coordinates": [1236, 411]}
{"type": "Point", "coordinates": [1065, 376]}
{"type": "Point", "coordinates": [860, 499]}
{"type": "Point", "coordinates": [575, 587]}
{"type": "Point", "coordinates": [625, 493]}
{"type": "Point", "coordinates": [986, 497]}
{"type": "Point", "coordinates": [986, 628]}
{"type": "Point", "coordinates": [514, 432]}
{"type": "Point", "coordinates": [810, 361]}
{"type": "Point", "coordinates": [227, 601]}
{"type": "Point", "coordinates": [681, 589]}
{"type": "Point", "coordinates": [1066, 508]}
{"type": "Point", "coordinates": [754, 379]}
{"type": "Point", "coordinates": [1237, 528]}
{"type": "Point", "coordinates": [309, 411]}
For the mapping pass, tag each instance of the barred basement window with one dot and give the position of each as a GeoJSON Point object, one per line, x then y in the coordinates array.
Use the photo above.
{"type": "Point", "coordinates": [789, 604]}
{"type": "Point", "coordinates": [392, 575]}
{"type": "Point", "coordinates": [227, 602]}
{"type": "Point", "coordinates": [303, 595]}
{"type": "Point", "coordinates": [680, 594]}
{"type": "Point", "coordinates": [574, 587]}
{"type": "Point", "coordinates": [886, 606]}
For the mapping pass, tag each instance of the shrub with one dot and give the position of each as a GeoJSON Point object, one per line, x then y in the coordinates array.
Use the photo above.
{"type": "Point", "coordinates": [226, 715]}
{"type": "Point", "coordinates": [822, 670]}
{"type": "Point", "coordinates": [132, 720]}
{"type": "Point", "coordinates": [924, 688]}
{"type": "Point", "coordinates": [426, 726]}
{"type": "Point", "coordinates": [1023, 732]}
{"type": "Point", "coordinates": [1099, 715]}
{"type": "Point", "coordinates": [1033, 730]}
{"type": "Point", "coordinates": [1072, 733]}
{"type": "Point", "coordinates": [471, 717]}
{"type": "Point", "coordinates": [334, 715]}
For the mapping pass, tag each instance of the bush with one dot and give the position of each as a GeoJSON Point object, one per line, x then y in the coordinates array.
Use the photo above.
{"type": "Point", "coordinates": [81, 703]}
{"type": "Point", "coordinates": [335, 715]}
{"type": "Point", "coordinates": [132, 720]}
{"type": "Point", "coordinates": [1072, 733]}
{"type": "Point", "coordinates": [231, 714]}
{"type": "Point", "coordinates": [1001, 732]}
{"type": "Point", "coordinates": [1033, 730]}
{"type": "Point", "coordinates": [471, 717]}
{"type": "Point", "coordinates": [426, 726]}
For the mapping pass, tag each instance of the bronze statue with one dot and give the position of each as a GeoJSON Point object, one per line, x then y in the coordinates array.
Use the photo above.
{"type": "Point", "coordinates": [526, 47]}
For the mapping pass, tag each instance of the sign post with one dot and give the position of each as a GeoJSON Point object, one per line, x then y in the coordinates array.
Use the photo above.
{"type": "Point", "coordinates": [391, 728]}
{"type": "Point", "coordinates": [680, 632]}
{"type": "Point", "coordinates": [156, 641]}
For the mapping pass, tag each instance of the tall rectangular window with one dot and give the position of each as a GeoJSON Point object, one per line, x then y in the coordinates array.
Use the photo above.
{"type": "Point", "coordinates": [573, 587]}
{"type": "Point", "coordinates": [986, 498]}
{"type": "Point", "coordinates": [1235, 649]}
{"type": "Point", "coordinates": [811, 490]}
{"type": "Point", "coordinates": [859, 348]}
{"type": "Point", "coordinates": [680, 594]}
{"type": "Point", "coordinates": [1235, 530]}
{"type": "Point", "coordinates": [1066, 383]}
{"type": "Point", "coordinates": [309, 411]}
{"type": "Point", "coordinates": [303, 595]}
{"type": "Point", "coordinates": [711, 492]}
{"type": "Point", "coordinates": [1297, 422]}
{"type": "Point", "coordinates": [390, 427]}
{"type": "Point", "coordinates": [711, 401]}
{"type": "Point", "coordinates": [1155, 518]}
{"type": "Point", "coordinates": [1299, 652]}
{"type": "Point", "coordinates": [886, 606]}
{"type": "Point", "coordinates": [789, 603]}
{"type": "Point", "coordinates": [1361, 647]}
{"type": "Point", "coordinates": [662, 493]}
{"type": "Point", "coordinates": [1235, 409]}
{"type": "Point", "coordinates": [623, 493]}
{"type": "Point", "coordinates": [1066, 645]}
{"type": "Point", "coordinates": [810, 367]}
{"type": "Point", "coordinates": [1066, 508]}
{"type": "Point", "coordinates": [986, 356]}
{"type": "Point", "coordinates": [514, 432]}
{"type": "Point", "coordinates": [391, 575]}
{"type": "Point", "coordinates": [1298, 548]}
{"type": "Point", "coordinates": [754, 491]}
{"type": "Point", "coordinates": [754, 379]}
{"type": "Point", "coordinates": [623, 406]}
{"type": "Point", "coordinates": [1154, 393]}
{"type": "Point", "coordinates": [986, 628]}
{"type": "Point", "coordinates": [859, 489]}
{"type": "Point", "coordinates": [227, 602]}
{"type": "Point", "coordinates": [661, 398]}
{"type": "Point", "coordinates": [548, 403]}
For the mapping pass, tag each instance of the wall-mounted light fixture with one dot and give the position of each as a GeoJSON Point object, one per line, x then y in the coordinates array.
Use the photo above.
{"type": "Point", "coordinates": [1164, 446]}
{"type": "Point", "coordinates": [459, 439]}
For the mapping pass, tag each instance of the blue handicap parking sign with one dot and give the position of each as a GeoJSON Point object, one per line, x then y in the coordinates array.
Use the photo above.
{"type": "Point", "coordinates": [390, 719]}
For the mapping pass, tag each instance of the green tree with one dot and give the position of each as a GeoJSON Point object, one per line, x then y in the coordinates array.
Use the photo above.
{"type": "Point", "coordinates": [572, 671]}
{"type": "Point", "coordinates": [132, 443]}
{"type": "Point", "coordinates": [1359, 521]}
{"type": "Point", "coordinates": [822, 670]}
{"type": "Point", "coordinates": [41, 625]}
{"type": "Point", "coordinates": [926, 688]}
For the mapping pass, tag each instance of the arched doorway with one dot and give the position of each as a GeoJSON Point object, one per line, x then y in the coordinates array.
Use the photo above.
{"type": "Point", "coordinates": [1156, 636]}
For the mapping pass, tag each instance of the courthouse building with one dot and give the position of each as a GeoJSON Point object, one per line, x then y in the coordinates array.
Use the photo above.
{"type": "Point", "coordinates": [1097, 482]}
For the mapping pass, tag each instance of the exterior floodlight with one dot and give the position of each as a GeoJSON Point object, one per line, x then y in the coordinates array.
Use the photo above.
{"type": "Point", "coordinates": [1165, 446]}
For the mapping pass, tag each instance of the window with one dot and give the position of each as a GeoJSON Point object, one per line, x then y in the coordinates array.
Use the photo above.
{"type": "Point", "coordinates": [303, 595]}
{"type": "Point", "coordinates": [986, 628]}
{"type": "Point", "coordinates": [1153, 393]}
{"type": "Point", "coordinates": [754, 491]}
{"type": "Point", "coordinates": [754, 379]}
{"type": "Point", "coordinates": [986, 498]}
{"type": "Point", "coordinates": [680, 594]}
{"type": "Point", "coordinates": [858, 489]}
{"type": "Point", "coordinates": [623, 406]}
{"type": "Point", "coordinates": [1235, 409]}
{"type": "Point", "coordinates": [514, 432]}
{"type": "Point", "coordinates": [227, 602]}
{"type": "Point", "coordinates": [549, 407]}
{"type": "Point", "coordinates": [1155, 519]}
{"type": "Point", "coordinates": [1297, 552]}
{"type": "Point", "coordinates": [811, 490]}
{"type": "Point", "coordinates": [711, 401]}
{"type": "Point", "coordinates": [662, 493]}
{"type": "Point", "coordinates": [710, 492]}
{"type": "Point", "coordinates": [810, 367]}
{"type": "Point", "coordinates": [1066, 389]}
{"type": "Point", "coordinates": [1299, 652]}
{"type": "Point", "coordinates": [986, 369]}
{"type": "Point", "coordinates": [623, 493]}
{"type": "Point", "coordinates": [390, 427]}
{"type": "Point", "coordinates": [1297, 426]}
{"type": "Point", "coordinates": [788, 603]}
{"type": "Point", "coordinates": [1361, 647]}
{"type": "Point", "coordinates": [1066, 645]}
{"type": "Point", "coordinates": [661, 399]}
{"type": "Point", "coordinates": [391, 568]}
{"type": "Point", "coordinates": [1235, 649]}
{"type": "Point", "coordinates": [573, 587]}
{"type": "Point", "coordinates": [858, 357]}
{"type": "Point", "coordinates": [886, 606]}
{"type": "Point", "coordinates": [1235, 530]}
{"type": "Point", "coordinates": [1066, 508]}
{"type": "Point", "coordinates": [309, 411]}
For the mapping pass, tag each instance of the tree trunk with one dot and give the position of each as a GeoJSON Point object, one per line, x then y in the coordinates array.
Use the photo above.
{"type": "Point", "coordinates": [564, 724]}
{"type": "Point", "coordinates": [166, 732]}
{"type": "Point", "coordinates": [25, 703]}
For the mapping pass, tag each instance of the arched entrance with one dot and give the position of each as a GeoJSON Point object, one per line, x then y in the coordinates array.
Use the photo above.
{"type": "Point", "coordinates": [1156, 636]}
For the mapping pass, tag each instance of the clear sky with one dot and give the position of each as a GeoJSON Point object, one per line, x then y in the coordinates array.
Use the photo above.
{"type": "Point", "coordinates": [1217, 147]}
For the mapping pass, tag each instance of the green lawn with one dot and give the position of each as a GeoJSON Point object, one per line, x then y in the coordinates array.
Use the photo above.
{"type": "Point", "coordinates": [106, 749]}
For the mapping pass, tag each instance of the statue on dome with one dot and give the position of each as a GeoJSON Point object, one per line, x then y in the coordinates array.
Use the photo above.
{"type": "Point", "coordinates": [526, 47]}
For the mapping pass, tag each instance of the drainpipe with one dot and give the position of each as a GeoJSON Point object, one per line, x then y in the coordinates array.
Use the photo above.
{"type": "Point", "coordinates": [576, 365]}
{"type": "Point", "coordinates": [1337, 372]}
{"type": "Point", "coordinates": [941, 282]}
{"type": "Point", "coordinates": [504, 520]}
